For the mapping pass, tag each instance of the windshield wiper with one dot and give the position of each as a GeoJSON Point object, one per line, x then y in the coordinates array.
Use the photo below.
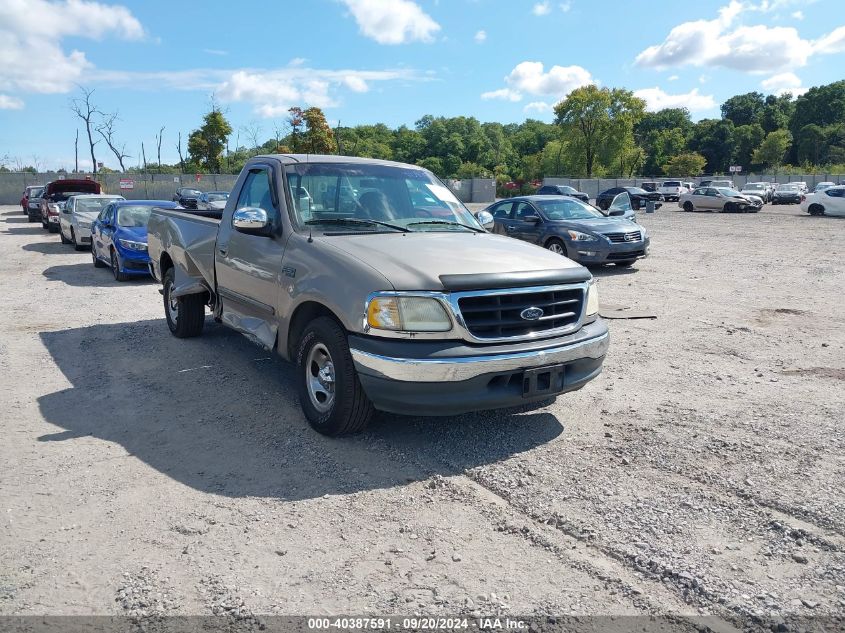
{"type": "Point", "coordinates": [358, 221]}
{"type": "Point", "coordinates": [449, 223]}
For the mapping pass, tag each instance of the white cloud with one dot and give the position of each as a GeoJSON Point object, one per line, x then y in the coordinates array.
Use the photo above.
{"type": "Point", "coordinates": [673, 78]}
{"type": "Point", "coordinates": [10, 103]}
{"type": "Point", "coordinates": [393, 21]}
{"type": "Point", "coordinates": [480, 36]}
{"type": "Point", "coordinates": [215, 51]}
{"type": "Point", "coordinates": [783, 83]}
{"type": "Point", "coordinates": [531, 78]}
{"type": "Point", "coordinates": [797, 15]}
{"type": "Point", "coordinates": [565, 6]}
{"type": "Point", "coordinates": [656, 99]}
{"type": "Point", "coordinates": [31, 34]}
{"type": "Point", "coordinates": [542, 8]}
{"type": "Point", "coordinates": [541, 107]}
{"type": "Point", "coordinates": [272, 92]}
{"type": "Point", "coordinates": [503, 93]}
{"type": "Point", "coordinates": [721, 42]}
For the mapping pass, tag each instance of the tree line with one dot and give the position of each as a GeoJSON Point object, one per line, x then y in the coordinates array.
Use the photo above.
{"type": "Point", "coordinates": [596, 132]}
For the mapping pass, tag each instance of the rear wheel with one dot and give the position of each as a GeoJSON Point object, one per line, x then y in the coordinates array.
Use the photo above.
{"type": "Point", "coordinates": [185, 315]}
{"type": "Point", "coordinates": [816, 209]}
{"type": "Point", "coordinates": [688, 206]}
{"type": "Point", "coordinates": [556, 246]}
{"type": "Point", "coordinates": [330, 393]}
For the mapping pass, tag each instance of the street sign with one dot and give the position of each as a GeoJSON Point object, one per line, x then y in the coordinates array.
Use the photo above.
{"type": "Point", "coordinates": [736, 168]}
{"type": "Point", "coordinates": [127, 183]}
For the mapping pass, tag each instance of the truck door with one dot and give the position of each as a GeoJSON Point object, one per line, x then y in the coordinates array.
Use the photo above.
{"type": "Point", "coordinates": [248, 267]}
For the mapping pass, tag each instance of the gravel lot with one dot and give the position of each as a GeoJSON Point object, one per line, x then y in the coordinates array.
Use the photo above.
{"type": "Point", "coordinates": [702, 473]}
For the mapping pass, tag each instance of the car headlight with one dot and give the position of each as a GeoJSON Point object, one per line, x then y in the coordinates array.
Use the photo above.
{"type": "Point", "coordinates": [592, 299]}
{"type": "Point", "coordinates": [84, 225]}
{"type": "Point", "coordinates": [132, 245]}
{"type": "Point", "coordinates": [581, 237]}
{"type": "Point", "coordinates": [407, 314]}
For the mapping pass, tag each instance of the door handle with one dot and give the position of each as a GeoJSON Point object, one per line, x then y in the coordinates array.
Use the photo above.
{"type": "Point", "coordinates": [509, 228]}
{"type": "Point", "coordinates": [223, 251]}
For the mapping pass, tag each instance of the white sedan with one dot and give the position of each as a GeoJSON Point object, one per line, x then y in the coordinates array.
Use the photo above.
{"type": "Point", "coordinates": [77, 215]}
{"type": "Point", "coordinates": [830, 201]}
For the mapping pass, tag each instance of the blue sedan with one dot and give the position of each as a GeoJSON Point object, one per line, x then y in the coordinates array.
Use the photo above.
{"type": "Point", "coordinates": [119, 237]}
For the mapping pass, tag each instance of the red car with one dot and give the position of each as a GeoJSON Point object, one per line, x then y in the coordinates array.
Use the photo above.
{"type": "Point", "coordinates": [56, 194]}
{"type": "Point", "coordinates": [33, 191]}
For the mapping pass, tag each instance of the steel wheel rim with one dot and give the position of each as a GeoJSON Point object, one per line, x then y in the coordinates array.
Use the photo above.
{"type": "Point", "coordinates": [320, 378]}
{"type": "Point", "coordinates": [172, 304]}
{"type": "Point", "coordinates": [556, 248]}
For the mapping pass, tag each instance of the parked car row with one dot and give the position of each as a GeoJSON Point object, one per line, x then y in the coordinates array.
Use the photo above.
{"type": "Point", "coordinates": [211, 201]}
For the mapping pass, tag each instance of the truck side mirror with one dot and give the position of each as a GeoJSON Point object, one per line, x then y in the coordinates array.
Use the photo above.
{"type": "Point", "coordinates": [485, 219]}
{"type": "Point", "coordinates": [251, 220]}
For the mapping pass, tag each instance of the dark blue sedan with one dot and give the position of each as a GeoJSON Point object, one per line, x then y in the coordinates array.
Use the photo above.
{"type": "Point", "coordinates": [573, 229]}
{"type": "Point", "coordinates": [119, 237]}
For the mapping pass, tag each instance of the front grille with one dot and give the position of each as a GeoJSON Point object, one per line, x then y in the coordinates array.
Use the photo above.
{"type": "Point", "coordinates": [132, 265]}
{"type": "Point", "coordinates": [489, 316]}
{"type": "Point", "coordinates": [626, 255]}
{"type": "Point", "coordinates": [630, 236]}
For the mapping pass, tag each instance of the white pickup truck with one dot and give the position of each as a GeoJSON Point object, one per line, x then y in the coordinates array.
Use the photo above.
{"type": "Point", "coordinates": [671, 190]}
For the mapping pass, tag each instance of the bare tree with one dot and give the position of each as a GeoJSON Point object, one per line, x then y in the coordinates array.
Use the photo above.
{"type": "Point", "coordinates": [181, 157]}
{"type": "Point", "coordinates": [76, 153]}
{"type": "Point", "coordinates": [106, 130]}
{"type": "Point", "coordinates": [144, 156]}
{"type": "Point", "coordinates": [158, 142]}
{"type": "Point", "coordinates": [36, 163]}
{"type": "Point", "coordinates": [86, 110]}
{"type": "Point", "coordinates": [252, 131]}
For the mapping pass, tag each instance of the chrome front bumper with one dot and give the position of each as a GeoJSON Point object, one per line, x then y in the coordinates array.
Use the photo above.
{"type": "Point", "coordinates": [467, 367]}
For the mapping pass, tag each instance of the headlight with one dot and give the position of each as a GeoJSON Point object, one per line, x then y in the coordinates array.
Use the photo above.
{"type": "Point", "coordinates": [592, 299]}
{"type": "Point", "coordinates": [408, 314]}
{"type": "Point", "coordinates": [580, 237]}
{"type": "Point", "coordinates": [133, 246]}
{"type": "Point", "coordinates": [84, 225]}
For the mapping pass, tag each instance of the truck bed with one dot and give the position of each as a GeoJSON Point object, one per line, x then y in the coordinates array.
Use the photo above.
{"type": "Point", "coordinates": [188, 239]}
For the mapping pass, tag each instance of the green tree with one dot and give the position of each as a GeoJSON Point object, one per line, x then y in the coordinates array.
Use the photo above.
{"type": "Point", "coordinates": [432, 164]}
{"type": "Point", "coordinates": [319, 137]}
{"type": "Point", "coordinates": [714, 139]}
{"type": "Point", "coordinates": [602, 122]}
{"type": "Point", "coordinates": [747, 138]}
{"type": "Point", "coordinates": [773, 148]}
{"type": "Point", "coordinates": [686, 164]}
{"type": "Point", "coordinates": [777, 112]}
{"type": "Point", "coordinates": [812, 144]}
{"type": "Point", "coordinates": [662, 134]}
{"type": "Point", "coordinates": [205, 145]}
{"type": "Point", "coordinates": [744, 109]}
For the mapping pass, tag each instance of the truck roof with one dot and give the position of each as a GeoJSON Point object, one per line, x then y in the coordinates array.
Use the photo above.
{"type": "Point", "coordinates": [328, 158]}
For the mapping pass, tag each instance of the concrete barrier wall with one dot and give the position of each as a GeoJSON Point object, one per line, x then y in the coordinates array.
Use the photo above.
{"type": "Point", "coordinates": [473, 189]}
{"type": "Point", "coordinates": [145, 187]}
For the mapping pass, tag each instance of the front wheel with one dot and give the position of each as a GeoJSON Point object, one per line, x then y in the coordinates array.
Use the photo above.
{"type": "Point", "coordinates": [76, 245]}
{"type": "Point", "coordinates": [62, 236]}
{"type": "Point", "coordinates": [119, 275]}
{"type": "Point", "coordinates": [186, 314]}
{"type": "Point", "coordinates": [97, 262]}
{"type": "Point", "coordinates": [330, 394]}
{"type": "Point", "coordinates": [556, 246]}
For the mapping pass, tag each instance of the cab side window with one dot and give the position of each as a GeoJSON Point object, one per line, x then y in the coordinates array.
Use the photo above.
{"type": "Point", "coordinates": [502, 211]}
{"type": "Point", "coordinates": [523, 209]}
{"type": "Point", "coordinates": [256, 192]}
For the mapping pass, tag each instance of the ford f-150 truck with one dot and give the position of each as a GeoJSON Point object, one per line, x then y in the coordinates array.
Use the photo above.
{"type": "Point", "coordinates": [382, 288]}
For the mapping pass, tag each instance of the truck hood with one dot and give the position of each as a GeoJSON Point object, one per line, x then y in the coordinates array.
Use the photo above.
{"type": "Point", "coordinates": [433, 260]}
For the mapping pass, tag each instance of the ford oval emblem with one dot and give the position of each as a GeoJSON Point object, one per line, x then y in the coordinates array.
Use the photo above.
{"type": "Point", "coordinates": [531, 314]}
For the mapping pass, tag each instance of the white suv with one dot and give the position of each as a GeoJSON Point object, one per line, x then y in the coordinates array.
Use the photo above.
{"type": "Point", "coordinates": [77, 215]}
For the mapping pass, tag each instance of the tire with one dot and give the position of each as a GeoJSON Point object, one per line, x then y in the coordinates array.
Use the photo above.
{"type": "Point", "coordinates": [604, 205]}
{"type": "Point", "coordinates": [115, 267]}
{"type": "Point", "coordinates": [76, 245]}
{"type": "Point", "coordinates": [556, 246]}
{"type": "Point", "coordinates": [185, 315]}
{"type": "Point", "coordinates": [44, 225]}
{"type": "Point", "coordinates": [345, 408]}
{"type": "Point", "coordinates": [62, 236]}
{"type": "Point", "coordinates": [29, 218]}
{"type": "Point", "coordinates": [688, 206]}
{"type": "Point", "coordinates": [636, 204]}
{"type": "Point", "coordinates": [816, 209]}
{"type": "Point", "coordinates": [97, 262]}
{"type": "Point", "coordinates": [625, 264]}
{"type": "Point", "coordinates": [729, 208]}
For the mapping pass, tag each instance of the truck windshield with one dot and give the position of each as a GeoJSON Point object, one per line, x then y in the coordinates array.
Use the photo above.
{"type": "Point", "coordinates": [403, 197]}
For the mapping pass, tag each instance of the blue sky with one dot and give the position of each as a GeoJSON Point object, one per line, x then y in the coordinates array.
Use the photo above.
{"type": "Point", "coordinates": [364, 61]}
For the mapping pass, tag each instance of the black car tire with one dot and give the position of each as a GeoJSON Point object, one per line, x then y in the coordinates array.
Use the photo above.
{"type": "Point", "coordinates": [62, 236]}
{"type": "Point", "coordinates": [636, 203]}
{"type": "Point", "coordinates": [189, 317]}
{"type": "Point", "coordinates": [29, 218]}
{"type": "Point", "coordinates": [350, 409]}
{"type": "Point", "coordinates": [556, 246]}
{"type": "Point", "coordinates": [76, 245]}
{"type": "Point", "coordinates": [97, 262]}
{"type": "Point", "coordinates": [816, 209]}
{"type": "Point", "coordinates": [625, 264]}
{"type": "Point", "coordinates": [688, 206]}
{"type": "Point", "coordinates": [52, 228]}
{"type": "Point", "coordinates": [729, 207]}
{"type": "Point", "coordinates": [44, 225]}
{"type": "Point", "coordinates": [115, 267]}
{"type": "Point", "coordinates": [603, 205]}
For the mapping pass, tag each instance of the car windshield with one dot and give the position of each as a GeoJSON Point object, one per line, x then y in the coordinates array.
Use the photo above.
{"type": "Point", "coordinates": [133, 216]}
{"type": "Point", "coordinates": [217, 197]}
{"type": "Point", "coordinates": [94, 205]}
{"type": "Point", "coordinates": [567, 209]}
{"type": "Point", "coordinates": [787, 187]}
{"type": "Point", "coordinates": [363, 197]}
{"type": "Point", "coordinates": [36, 193]}
{"type": "Point", "coordinates": [565, 189]}
{"type": "Point", "coordinates": [635, 190]}
{"type": "Point", "coordinates": [725, 191]}
{"type": "Point", "coordinates": [191, 193]}
{"type": "Point", "coordinates": [753, 186]}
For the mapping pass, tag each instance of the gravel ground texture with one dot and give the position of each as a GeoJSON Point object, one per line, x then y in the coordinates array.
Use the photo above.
{"type": "Point", "coordinates": [703, 473]}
